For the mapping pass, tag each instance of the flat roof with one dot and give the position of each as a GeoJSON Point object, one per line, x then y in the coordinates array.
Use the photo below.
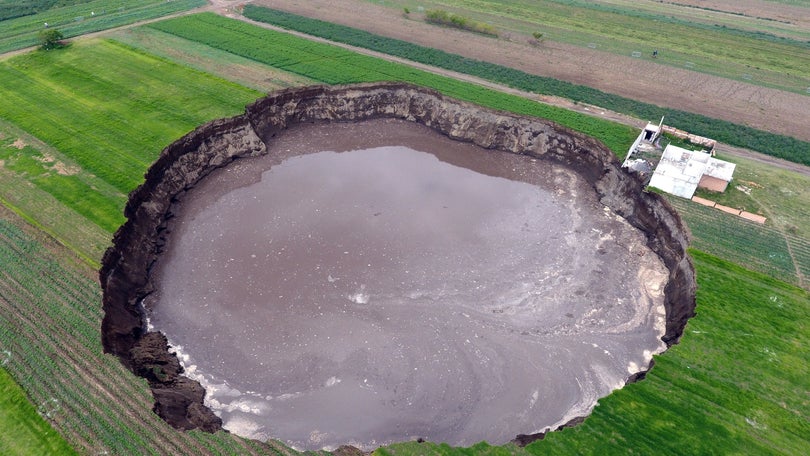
{"type": "Point", "coordinates": [680, 170]}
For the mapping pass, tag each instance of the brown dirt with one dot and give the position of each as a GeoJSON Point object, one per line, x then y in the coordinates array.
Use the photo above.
{"type": "Point", "coordinates": [759, 107]}
{"type": "Point", "coordinates": [796, 15]}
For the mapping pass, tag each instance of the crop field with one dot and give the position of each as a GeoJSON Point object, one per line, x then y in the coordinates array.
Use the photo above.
{"type": "Point", "coordinates": [100, 111]}
{"type": "Point", "coordinates": [86, 17]}
{"type": "Point", "coordinates": [727, 132]}
{"type": "Point", "coordinates": [761, 248]}
{"type": "Point", "coordinates": [333, 65]}
{"type": "Point", "coordinates": [86, 144]}
{"type": "Point", "coordinates": [241, 70]}
{"type": "Point", "coordinates": [731, 47]}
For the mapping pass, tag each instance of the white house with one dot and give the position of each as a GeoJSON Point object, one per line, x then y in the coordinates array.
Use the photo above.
{"type": "Point", "coordinates": [681, 171]}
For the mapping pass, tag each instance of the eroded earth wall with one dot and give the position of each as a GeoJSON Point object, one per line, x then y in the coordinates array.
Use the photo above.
{"type": "Point", "coordinates": [125, 272]}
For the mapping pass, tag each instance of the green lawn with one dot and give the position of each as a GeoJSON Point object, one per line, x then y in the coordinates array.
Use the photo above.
{"type": "Point", "coordinates": [23, 431]}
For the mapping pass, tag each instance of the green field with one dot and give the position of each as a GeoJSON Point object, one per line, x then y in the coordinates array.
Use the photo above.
{"type": "Point", "coordinates": [24, 430]}
{"type": "Point", "coordinates": [736, 384]}
{"type": "Point", "coordinates": [85, 17]}
{"type": "Point", "coordinates": [103, 111]}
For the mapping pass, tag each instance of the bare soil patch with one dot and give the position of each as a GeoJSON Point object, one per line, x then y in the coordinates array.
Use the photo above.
{"type": "Point", "coordinates": [735, 101]}
{"type": "Point", "coordinates": [755, 8]}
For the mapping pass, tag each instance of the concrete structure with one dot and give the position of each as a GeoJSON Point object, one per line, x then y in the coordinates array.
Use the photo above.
{"type": "Point", "coordinates": [681, 171]}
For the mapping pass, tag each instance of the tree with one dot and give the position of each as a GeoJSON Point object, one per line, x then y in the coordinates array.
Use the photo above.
{"type": "Point", "coordinates": [50, 39]}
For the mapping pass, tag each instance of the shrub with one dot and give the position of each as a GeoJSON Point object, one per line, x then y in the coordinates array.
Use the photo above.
{"type": "Point", "coordinates": [50, 39]}
{"type": "Point", "coordinates": [442, 17]}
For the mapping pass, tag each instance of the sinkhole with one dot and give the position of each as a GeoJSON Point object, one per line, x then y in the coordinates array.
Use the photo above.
{"type": "Point", "coordinates": [361, 278]}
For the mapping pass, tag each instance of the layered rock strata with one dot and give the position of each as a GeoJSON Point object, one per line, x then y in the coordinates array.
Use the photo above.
{"type": "Point", "coordinates": [125, 273]}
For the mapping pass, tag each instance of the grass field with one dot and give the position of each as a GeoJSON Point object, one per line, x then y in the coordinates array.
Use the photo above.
{"type": "Point", "coordinates": [86, 17]}
{"type": "Point", "coordinates": [24, 431]}
{"type": "Point", "coordinates": [731, 48]}
{"type": "Point", "coordinates": [736, 384]}
{"type": "Point", "coordinates": [90, 119]}
{"type": "Point", "coordinates": [226, 65]}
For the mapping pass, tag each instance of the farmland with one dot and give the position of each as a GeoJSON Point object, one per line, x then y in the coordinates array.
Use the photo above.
{"type": "Point", "coordinates": [730, 133]}
{"type": "Point", "coordinates": [736, 383]}
{"type": "Point", "coordinates": [641, 78]}
{"type": "Point", "coordinates": [85, 17]}
{"type": "Point", "coordinates": [24, 430]}
{"type": "Point", "coordinates": [727, 48]}
{"type": "Point", "coordinates": [85, 160]}
{"type": "Point", "coordinates": [332, 65]}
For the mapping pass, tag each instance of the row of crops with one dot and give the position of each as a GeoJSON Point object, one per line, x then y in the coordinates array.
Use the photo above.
{"type": "Point", "coordinates": [738, 135]}
{"type": "Point", "coordinates": [86, 17]}
{"type": "Point", "coordinates": [334, 65]}
{"type": "Point", "coordinates": [109, 109]}
{"type": "Point", "coordinates": [760, 247]}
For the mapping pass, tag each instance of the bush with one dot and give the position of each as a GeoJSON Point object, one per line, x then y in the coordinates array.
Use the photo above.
{"type": "Point", "coordinates": [442, 17]}
{"type": "Point", "coordinates": [50, 39]}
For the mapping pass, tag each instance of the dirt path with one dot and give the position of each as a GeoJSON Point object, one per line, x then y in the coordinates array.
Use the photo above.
{"type": "Point", "coordinates": [767, 109]}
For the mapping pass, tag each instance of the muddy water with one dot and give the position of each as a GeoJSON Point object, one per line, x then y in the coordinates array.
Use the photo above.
{"type": "Point", "coordinates": [375, 282]}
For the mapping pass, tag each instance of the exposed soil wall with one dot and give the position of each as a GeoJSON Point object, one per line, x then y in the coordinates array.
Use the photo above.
{"type": "Point", "coordinates": [125, 272]}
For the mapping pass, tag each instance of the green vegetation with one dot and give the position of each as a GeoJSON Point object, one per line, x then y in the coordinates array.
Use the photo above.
{"type": "Point", "coordinates": [24, 431]}
{"type": "Point", "coordinates": [50, 39]}
{"type": "Point", "coordinates": [109, 110]}
{"type": "Point", "coordinates": [760, 248]}
{"type": "Point", "coordinates": [241, 70]}
{"type": "Point", "coordinates": [781, 247]}
{"type": "Point", "coordinates": [334, 65]}
{"type": "Point", "coordinates": [739, 135]}
{"type": "Point", "coordinates": [442, 17]}
{"type": "Point", "coordinates": [80, 17]}
{"type": "Point", "coordinates": [10, 9]}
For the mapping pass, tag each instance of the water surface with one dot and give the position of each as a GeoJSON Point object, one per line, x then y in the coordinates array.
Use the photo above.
{"type": "Point", "coordinates": [376, 282]}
